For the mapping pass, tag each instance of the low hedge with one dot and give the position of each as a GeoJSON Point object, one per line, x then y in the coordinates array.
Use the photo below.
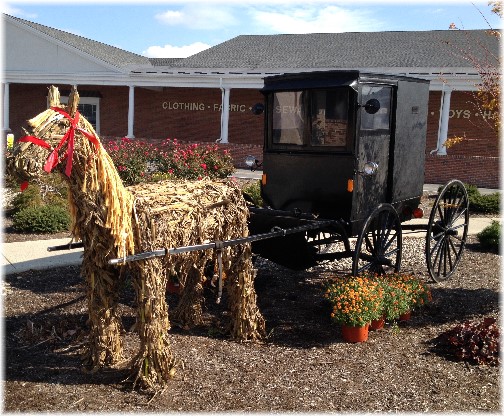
{"type": "Point", "coordinates": [42, 219]}
{"type": "Point", "coordinates": [489, 237]}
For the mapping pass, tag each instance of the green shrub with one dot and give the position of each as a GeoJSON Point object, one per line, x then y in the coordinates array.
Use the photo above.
{"type": "Point", "coordinates": [479, 203]}
{"type": "Point", "coordinates": [43, 219]}
{"type": "Point", "coordinates": [489, 238]}
{"type": "Point", "coordinates": [472, 191]}
{"type": "Point", "coordinates": [253, 190]}
{"type": "Point", "coordinates": [486, 204]}
{"type": "Point", "coordinates": [29, 198]}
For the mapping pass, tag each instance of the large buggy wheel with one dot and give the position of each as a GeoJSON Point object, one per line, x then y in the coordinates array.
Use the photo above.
{"type": "Point", "coordinates": [447, 231]}
{"type": "Point", "coordinates": [379, 246]}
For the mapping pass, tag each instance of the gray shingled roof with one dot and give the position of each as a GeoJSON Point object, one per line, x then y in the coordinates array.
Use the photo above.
{"type": "Point", "coordinates": [348, 50]}
{"type": "Point", "coordinates": [415, 49]}
{"type": "Point", "coordinates": [106, 53]}
{"type": "Point", "coordinates": [165, 61]}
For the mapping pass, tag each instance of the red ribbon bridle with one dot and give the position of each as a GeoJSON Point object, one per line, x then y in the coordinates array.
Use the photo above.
{"type": "Point", "coordinates": [69, 136]}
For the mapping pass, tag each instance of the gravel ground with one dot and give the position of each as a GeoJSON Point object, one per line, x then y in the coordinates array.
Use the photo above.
{"type": "Point", "coordinates": [302, 366]}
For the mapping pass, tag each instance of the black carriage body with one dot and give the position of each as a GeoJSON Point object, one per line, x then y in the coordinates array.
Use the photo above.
{"type": "Point", "coordinates": [322, 128]}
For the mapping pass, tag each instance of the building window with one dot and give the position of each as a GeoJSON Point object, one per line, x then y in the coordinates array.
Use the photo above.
{"type": "Point", "coordinates": [89, 107]}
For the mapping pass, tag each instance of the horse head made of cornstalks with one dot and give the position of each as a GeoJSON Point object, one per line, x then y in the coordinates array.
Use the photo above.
{"type": "Point", "coordinates": [50, 139]}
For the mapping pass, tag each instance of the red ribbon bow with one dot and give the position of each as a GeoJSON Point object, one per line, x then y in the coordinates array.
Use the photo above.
{"type": "Point", "coordinates": [53, 159]}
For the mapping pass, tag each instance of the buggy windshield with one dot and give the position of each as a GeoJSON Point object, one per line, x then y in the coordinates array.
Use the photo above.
{"type": "Point", "coordinates": [311, 118]}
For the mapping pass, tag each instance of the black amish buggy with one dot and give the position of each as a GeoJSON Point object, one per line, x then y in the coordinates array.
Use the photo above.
{"type": "Point", "coordinates": [346, 150]}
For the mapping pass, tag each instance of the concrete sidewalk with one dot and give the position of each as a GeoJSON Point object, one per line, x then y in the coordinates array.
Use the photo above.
{"type": "Point", "coordinates": [21, 256]}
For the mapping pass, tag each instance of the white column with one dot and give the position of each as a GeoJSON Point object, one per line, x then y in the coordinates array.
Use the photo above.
{"type": "Point", "coordinates": [131, 112]}
{"type": "Point", "coordinates": [443, 122]}
{"type": "Point", "coordinates": [224, 115]}
{"type": "Point", "coordinates": [5, 122]}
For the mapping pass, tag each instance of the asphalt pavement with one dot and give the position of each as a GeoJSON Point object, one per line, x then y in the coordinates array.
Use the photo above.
{"type": "Point", "coordinates": [22, 256]}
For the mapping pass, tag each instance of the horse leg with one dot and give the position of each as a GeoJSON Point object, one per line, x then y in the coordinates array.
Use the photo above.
{"type": "Point", "coordinates": [105, 344]}
{"type": "Point", "coordinates": [189, 312]}
{"type": "Point", "coordinates": [247, 322]}
{"type": "Point", "coordinates": [154, 363]}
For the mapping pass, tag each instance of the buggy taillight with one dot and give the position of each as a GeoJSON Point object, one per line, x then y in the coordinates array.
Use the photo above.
{"type": "Point", "coordinates": [418, 213]}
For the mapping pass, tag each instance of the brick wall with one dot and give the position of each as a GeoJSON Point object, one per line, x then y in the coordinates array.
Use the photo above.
{"type": "Point", "coordinates": [466, 120]}
{"type": "Point", "coordinates": [26, 101]}
{"type": "Point", "coordinates": [476, 170]}
{"type": "Point", "coordinates": [193, 114]}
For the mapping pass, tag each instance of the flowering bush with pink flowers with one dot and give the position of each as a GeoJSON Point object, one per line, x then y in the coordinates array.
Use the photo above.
{"type": "Point", "coordinates": [137, 161]}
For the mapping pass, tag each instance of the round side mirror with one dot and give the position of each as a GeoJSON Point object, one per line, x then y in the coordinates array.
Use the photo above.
{"type": "Point", "coordinates": [258, 109]}
{"type": "Point", "coordinates": [372, 106]}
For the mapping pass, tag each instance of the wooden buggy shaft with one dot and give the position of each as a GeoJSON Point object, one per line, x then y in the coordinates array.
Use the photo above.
{"type": "Point", "coordinates": [218, 245]}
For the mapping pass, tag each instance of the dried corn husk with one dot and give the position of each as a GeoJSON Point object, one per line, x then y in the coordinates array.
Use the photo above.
{"type": "Point", "coordinates": [114, 221]}
{"type": "Point", "coordinates": [184, 213]}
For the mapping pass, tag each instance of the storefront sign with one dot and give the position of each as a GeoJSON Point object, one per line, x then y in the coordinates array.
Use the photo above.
{"type": "Point", "coordinates": [467, 114]}
{"type": "Point", "coordinates": [181, 106]}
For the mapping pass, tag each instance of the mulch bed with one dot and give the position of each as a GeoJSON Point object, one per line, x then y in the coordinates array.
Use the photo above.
{"type": "Point", "coordinates": [302, 366]}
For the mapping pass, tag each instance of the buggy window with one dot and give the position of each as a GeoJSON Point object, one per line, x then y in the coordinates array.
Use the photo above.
{"type": "Point", "coordinates": [310, 118]}
{"type": "Point", "coordinates": [379, 120]}
{"type": "Point", "coordinates": [329, 110]}
{"type": "Point", "coordinates": [288, 123]}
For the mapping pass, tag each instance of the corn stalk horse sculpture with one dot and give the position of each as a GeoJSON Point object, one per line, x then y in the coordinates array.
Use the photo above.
{"type": "Point", "coordinates": [113, 221]}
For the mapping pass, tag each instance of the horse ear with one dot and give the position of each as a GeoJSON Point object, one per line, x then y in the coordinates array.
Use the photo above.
{"type": "Point", "coordinates": [73, 101]}
{"type": "Point", "coordinates": [54, 96]}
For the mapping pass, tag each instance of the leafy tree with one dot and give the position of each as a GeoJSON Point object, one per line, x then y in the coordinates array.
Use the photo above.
{"type": "Point", "coordinates": [487, 97]}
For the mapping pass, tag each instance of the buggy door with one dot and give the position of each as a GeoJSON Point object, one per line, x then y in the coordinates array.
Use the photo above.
{"type": "Point", "coordinates": [372, 145]}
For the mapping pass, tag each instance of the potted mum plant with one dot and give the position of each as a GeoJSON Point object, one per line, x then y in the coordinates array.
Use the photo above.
{"type": "Point", "coordinates": [403, 293]}
{"type": "Point", "coordinates": [355, 301]}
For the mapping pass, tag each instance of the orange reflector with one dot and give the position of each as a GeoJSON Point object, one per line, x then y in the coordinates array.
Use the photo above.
{"type": "Point", "coordinates": [263, 179]}
{"type": "Point", "coordinates": [418, 213]}
{"type": "Point", "coordinates": [350, 185]}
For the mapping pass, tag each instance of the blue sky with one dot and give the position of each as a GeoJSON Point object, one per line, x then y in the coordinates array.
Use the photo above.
{"type": "Point", "coordinates": [177, 28]}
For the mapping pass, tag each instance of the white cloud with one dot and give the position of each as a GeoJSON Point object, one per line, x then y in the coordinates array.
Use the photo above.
{"type": "Point", "coordinates": [200, 17]}
{"type": "Point", "coordinates": [329, 19]}
{"type": "Point", "coordinates": [170, 51]}
{"type": "Point", "coordinates": [14, 11]}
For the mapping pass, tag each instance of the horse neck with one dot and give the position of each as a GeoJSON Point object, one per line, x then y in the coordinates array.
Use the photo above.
{"type": "Point", "coordinates": [97, 190]}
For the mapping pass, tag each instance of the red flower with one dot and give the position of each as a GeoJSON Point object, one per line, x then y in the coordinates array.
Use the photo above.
{"type": "Point", "coordinates": [204, 166]}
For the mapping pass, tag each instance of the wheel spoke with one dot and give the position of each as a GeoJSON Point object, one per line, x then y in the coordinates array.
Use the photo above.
{"type": "Point", "coordinates": [389, 242]}
{"type": "Point", "coordinates": [391, 253]}
{"type": "Point", "coordinates": [460, 213]}
{"type": "Point", "coordinates": [455, 249]}
{"type": "Point", "coordinates": [387, 229]}
{"type": "Point", "coordinates": [441, 213]}
{"type": "Point", "coordinates": [449, 252]}
{"type": "Point", "coordinates": [436, 247]}
{"type": "Point", "coordinates": [440, 256]}
{"type": "Point", "coordinates": [365, 267]}
{"type": "Point", "coordinates": [369, 244]}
